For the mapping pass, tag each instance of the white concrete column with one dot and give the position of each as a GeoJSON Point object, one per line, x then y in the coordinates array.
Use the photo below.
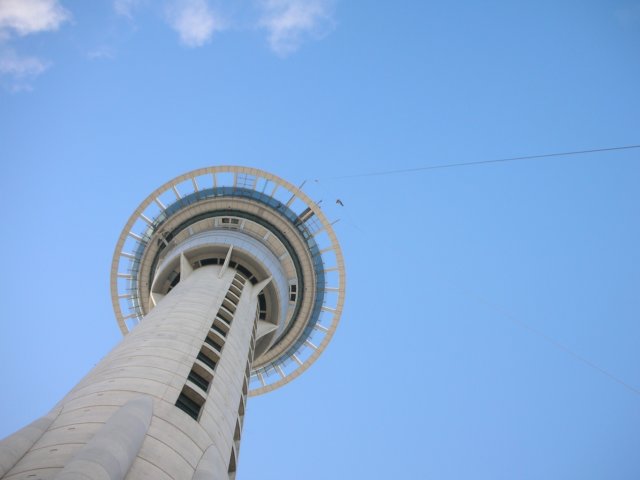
{"type": "Point", "coordinates": [155, 360]}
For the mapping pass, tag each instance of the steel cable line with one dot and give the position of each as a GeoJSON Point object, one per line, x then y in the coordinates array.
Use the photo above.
{"type": "Point", "coordinates": [549, 339]}
{"type": "Point", "coordinates": [481, 162]}
{"type": "Point", "coordinates": [498, 309]}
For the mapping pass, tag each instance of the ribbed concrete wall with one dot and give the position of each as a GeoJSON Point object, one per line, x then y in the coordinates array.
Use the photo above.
{"type": "Point", "coordinates": [152, 362]}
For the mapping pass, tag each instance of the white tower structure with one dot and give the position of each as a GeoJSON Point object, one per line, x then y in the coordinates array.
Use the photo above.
{"type": "Point", "coordinates": [226, 282]}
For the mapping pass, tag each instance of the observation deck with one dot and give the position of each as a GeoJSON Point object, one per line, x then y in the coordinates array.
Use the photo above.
{"type": "Point", "coordinates": [256, 223]}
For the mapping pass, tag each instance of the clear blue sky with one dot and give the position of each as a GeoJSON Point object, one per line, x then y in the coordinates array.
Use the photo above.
{"type": "Point", "coordinates": [436, 370]}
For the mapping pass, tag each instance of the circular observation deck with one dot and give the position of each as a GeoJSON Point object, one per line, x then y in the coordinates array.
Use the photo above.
{"type": "Point", "coordinates": [262, 226]}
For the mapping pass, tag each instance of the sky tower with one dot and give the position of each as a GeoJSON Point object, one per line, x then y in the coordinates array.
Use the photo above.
{"type": "Point", "coordinates": [226, 282]}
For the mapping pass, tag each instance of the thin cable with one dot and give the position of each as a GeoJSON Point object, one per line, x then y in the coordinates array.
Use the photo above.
{"type": "Point", "coordinates": [553, 341]}
{"type": "Point", "coordinates": [497, 308]}
{"type": "Point", "coordinates": [481, 162]}
{"type": "Point", "coordinates": [530, 328]}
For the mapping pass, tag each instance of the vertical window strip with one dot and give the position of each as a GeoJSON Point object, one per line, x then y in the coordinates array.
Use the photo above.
{"type": "Point", "coordinates": [189, 401]}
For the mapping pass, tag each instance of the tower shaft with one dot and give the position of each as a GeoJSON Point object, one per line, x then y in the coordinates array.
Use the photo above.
{"type": "Point", "coordinates": [227, 282]}
{"type": "Point", "coordinates": [193, 351]}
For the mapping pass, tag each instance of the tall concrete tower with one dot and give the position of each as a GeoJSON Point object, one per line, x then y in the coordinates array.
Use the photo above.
{"type": "Point", "coordinates": [226, 282]}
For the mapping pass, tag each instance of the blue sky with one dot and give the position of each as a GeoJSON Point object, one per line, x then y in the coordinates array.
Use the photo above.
{"type": "Point", "coordinates": [459, 281]}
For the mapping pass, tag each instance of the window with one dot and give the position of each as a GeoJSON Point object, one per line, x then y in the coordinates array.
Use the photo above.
{"type": "Point", "coordinates": [210, 341]}
{"type": "Point", "coordinates": [209, 362]}
{"type": "Point", "coordinates": [211, 261]}
{"type": "Point", "coordinates": [218, 329]}
{"type": "Point", "coordinates": [199, 380]}
{"type": "Point", "coordinates": [262, 301]}
{"type": "Point", "coordinates": [244, 271]}
{"type": "Point", "coordinates": [232, 464]}
{"type": "Point", "coordinates": [174, 278]}
{"type": "Point", "coordinates": [188, 406]}
{"type": "Point", "coordinates": [229, 305]}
